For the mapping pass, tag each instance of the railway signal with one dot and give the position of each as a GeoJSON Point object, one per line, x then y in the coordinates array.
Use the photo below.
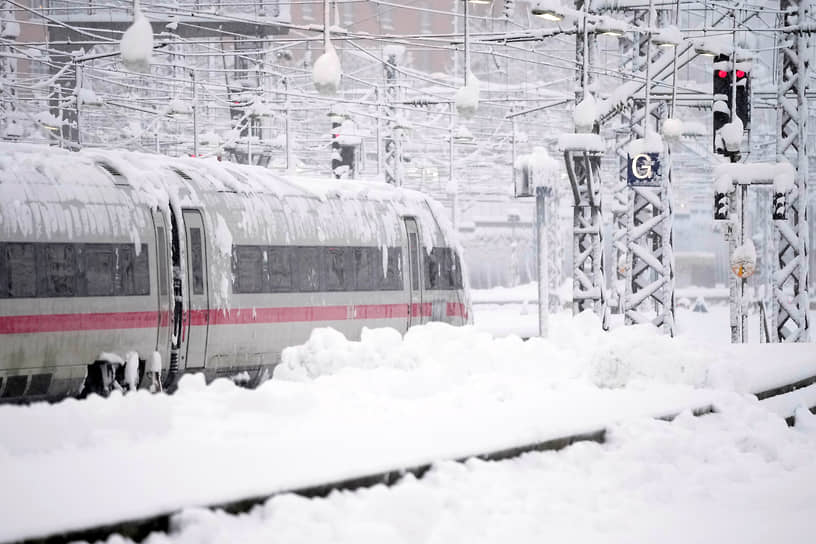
{"type": "Point", "coordinates": [731, 93]}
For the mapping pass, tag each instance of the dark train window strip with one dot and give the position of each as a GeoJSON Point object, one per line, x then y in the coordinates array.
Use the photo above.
{"type": "Point", "coordinates": [40, 270]}
{"type": "Point", "coordinates": [15, 386]}
{"type": "Point", "coordinates": [276, 269]}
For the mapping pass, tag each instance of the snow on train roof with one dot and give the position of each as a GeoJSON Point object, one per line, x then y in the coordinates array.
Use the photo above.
{"type": "Point", "coordinates": [59, 166]}
{"type": "Point", "coordinates": [46, 190]}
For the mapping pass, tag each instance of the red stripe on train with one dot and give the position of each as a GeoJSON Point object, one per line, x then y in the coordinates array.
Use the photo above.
{"type": "Point", "coordinates": [23, 324]}
{"type": "Point", "coordinates": [456, 309]}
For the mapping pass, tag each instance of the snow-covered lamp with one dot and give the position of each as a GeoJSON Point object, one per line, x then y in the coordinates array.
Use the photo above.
{"type": "Point", "coordinates": [179, 107]}
{"type": "Point", "coordinates": [586, 114]}
{"type": "Point", "coordinates": [87, 97]}
{"type": "Point", "coordinates": [47, 121]}
{"type": "Point", "coordinates": [467, 98]}
{"type": "Point", "coordinates": [463, 135]}
{"type": "Point", "coordinates": [549, 10]}
{"type": "Point", "coordinates": [609, 26]}
{"type": "Point", "coordinates": [731, 134]}
{"type": "Point", "coordinates": [137, 42]}
{"type": "Point", "coordinates": [707, 47]}
{"type": "Point", "coordinates": [672, 129]}
{"type": "Point", "coordinates": [326, 73]}
{"type": "Point", "coordinates": [669, 36]}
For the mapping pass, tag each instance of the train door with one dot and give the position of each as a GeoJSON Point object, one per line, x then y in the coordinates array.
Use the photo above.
{"type": "Point", "coordinates": [414, 272]}
{"type": "Point", "coordinates": [196, 290]}
{"type": "Point", "coordinates": [162, 279]}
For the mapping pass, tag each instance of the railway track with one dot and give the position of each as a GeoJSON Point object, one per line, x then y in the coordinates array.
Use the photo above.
{"type": "Point", "coordinates": [139, 529]}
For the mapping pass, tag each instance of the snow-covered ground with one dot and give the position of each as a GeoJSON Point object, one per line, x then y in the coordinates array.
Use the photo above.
{"type": "Point", "coordinates": [339, 409]}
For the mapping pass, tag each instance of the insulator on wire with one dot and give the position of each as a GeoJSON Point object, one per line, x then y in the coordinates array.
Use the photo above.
{"type": "Point", "coordinates": [509, 8]}
{"type": "Point", "coordinates": [779, 206]}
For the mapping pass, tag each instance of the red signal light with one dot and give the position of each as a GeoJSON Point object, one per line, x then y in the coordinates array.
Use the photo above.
{"type": "Point", "coordinates": [740, 73]}
{"type": "Point", "coordinates": [722, 74]}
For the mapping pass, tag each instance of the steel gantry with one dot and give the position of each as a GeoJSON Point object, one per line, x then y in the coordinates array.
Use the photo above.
{"type": "Point", "coordinates": [392, 161]}
{"type": "Point", "coordinates": [642, 216]}
{"type": "Point", "coordinates": [9, 31]}
{"type": "Point", "coordinates": [582, 155]}
{"type": "Point", "coordinates": [790, 300]}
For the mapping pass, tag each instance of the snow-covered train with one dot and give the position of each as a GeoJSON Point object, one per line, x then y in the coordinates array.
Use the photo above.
{"type": "Point", "coordinates": [193, 265]}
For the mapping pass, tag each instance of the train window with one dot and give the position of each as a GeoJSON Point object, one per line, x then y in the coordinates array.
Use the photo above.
{"type": "Point", "coordinates": [309, 268]}
{"type": "Point", "coordinates": [413, 248]}
{"type": "Point", "coordinates": [197, 257]}
{"type": "Point", "coordinates": [142, 273]}
{"type": "Point", "coordinates": [248, 269]}
{"type": "Point", "coordinates": [100, 264]}
{"type": "Point", "coordinates": [161, 247]}
{"type": "Point", "coordinates": [59, 278]}
{"type": "Point", "coordinates": [368, 268]}
{"type": "Point", "coordinates": [280, 269]}
{"type": "Point", "coordinates": [458, 282]}
{"type": "Point", "coordinates": [132, 276]}
{"type": "Point", "coordinates": [3, 275]}
{"type": "Point", "coordinates": [434, 266]}
{"type": "Point", "coordinates": [443, 269]}
{"type": "Point", "coordinates": [393, 275]}
{"type": "Point", "coordinates": [338, 269]}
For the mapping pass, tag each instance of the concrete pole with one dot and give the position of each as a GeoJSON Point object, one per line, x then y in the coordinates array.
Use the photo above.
{"type": "Point", "coordinates": [674, 63]}
{"type": "Point", "coordinates": [467, 42]}
{"type": "Point", "coordinates": [542, 261]}
{"type": "Point", "coordinates": [648, 87]}
{"type": "Point", "coordinates": [77, 107]}
{"type": "Point", "coordinates": [195, 113]}
{"type": "Point", "coordinates": [326, 21]}
{"type": "Point", "coordinates": [451, 178]}
{"type": "Point", "coordinates": [287, 127]}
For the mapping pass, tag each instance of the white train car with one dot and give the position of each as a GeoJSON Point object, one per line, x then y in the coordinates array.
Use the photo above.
{"type": "Point", "coordinates": [209, 267]}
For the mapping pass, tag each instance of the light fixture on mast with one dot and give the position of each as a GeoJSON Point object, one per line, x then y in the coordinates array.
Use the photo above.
{"type": "Point", "coordinates": [549, 10]}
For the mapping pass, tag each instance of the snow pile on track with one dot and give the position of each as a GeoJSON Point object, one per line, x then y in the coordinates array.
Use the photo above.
{"type": "Point", "coordinates": [577, 350]}
{"type": "Point", "coordinates": [739, 476]}
{"type": "Point", "coordinates": [339, 409]}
